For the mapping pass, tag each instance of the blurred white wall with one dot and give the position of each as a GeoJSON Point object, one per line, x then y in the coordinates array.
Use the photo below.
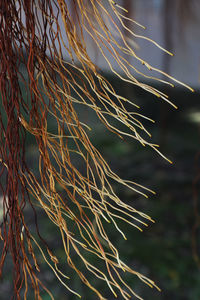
{"type": "Point", "coordinates": [185, 65]}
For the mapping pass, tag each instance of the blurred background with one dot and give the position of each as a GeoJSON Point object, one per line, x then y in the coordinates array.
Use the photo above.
{"type": "Point", "coordinates": [174, 25]}
{"type": "Point", "coordinates": [167, 251]}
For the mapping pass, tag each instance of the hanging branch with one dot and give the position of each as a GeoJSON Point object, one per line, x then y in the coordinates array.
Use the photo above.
{"type": "Point", "coordinates": [44, 49]}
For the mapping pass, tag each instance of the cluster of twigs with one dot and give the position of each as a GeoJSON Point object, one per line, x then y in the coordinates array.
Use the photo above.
{"type": "Point", "coordinates": [47, 40]}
